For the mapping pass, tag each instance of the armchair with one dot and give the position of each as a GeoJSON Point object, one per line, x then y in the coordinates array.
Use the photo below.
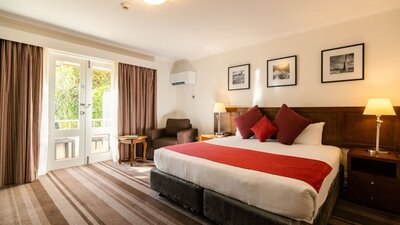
{"type": "Point", "coordinates": [177, 131]}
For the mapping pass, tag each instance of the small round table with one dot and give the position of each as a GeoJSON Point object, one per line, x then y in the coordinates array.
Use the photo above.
{"type": "Point", "coordinates": [132, 141]}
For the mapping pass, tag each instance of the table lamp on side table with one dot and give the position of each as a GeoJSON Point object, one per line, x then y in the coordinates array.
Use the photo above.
{"type": "Point", "coordinates": [379, 107]}
{"type": "Point", "coordinates": [219, 108]}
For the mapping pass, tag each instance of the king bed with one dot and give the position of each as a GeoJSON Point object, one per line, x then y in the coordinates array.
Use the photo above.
{"type": "Point", "coordinates": [235, 192]}
{"type": "Point", "coordinates": [280, 195]}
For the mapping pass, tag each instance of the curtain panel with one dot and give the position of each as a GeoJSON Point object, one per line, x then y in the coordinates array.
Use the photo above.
{"type": "Point", "coordinates": [21, 74]}
{"type": "Point", "coordinates": [137, 107]}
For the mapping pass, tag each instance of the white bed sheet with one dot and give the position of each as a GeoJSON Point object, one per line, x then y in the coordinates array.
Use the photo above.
{"type": "Point", "coordinates": [281, 195]}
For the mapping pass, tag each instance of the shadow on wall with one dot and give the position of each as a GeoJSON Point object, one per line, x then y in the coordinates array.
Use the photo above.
{"type": "Point", "coordinates": [163, 119]}
{"type": "Point", "coordinates": [182, 66]}
{"type": "Point", "coordinates": [179, 115]}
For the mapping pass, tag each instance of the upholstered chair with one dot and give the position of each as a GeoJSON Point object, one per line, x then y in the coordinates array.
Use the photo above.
{"type": "Point", "coordinates": [177, 131]}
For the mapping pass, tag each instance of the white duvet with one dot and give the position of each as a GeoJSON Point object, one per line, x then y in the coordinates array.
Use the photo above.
{"type": "Point", "coordinates": [281, 195]}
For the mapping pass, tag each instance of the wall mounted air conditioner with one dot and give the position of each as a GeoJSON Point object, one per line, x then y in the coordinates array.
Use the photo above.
{"type": "Point", "coordinates": [187, 77]}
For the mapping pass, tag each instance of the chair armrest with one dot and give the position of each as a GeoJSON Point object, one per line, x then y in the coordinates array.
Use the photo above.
{"type": "Point", "coordinates": [185, 136]}
{"type": "Point", "coordinates": [155, 134]}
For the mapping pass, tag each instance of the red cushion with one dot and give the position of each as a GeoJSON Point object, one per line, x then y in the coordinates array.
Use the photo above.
{"type": "Point", "coordinates": [290, 124]}
{"type": "Point", "coordinates": [263, 129]}
{"type": "Point", "coordinates": [247, 120]}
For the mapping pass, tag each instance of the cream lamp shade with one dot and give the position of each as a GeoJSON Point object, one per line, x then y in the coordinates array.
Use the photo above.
{"type": "Point", "coordinates": [379, 106]}
{"type": "Point", "coordinates": [219, 107]}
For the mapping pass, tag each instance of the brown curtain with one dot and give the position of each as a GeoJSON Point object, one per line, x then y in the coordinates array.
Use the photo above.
{"type": "Point", "coordinates": [136, 101]}
{"type": "Point", "coordinates": [21, 74]}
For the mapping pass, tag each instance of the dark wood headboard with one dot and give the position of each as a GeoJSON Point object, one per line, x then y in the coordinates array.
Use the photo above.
{"type": "Point", "coordinates": [344, 126]}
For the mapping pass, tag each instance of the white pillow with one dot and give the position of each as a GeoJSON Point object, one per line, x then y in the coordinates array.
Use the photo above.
{"type": "Point", "coordinates": [312, 135]}
{"type": "Point", "coordinates": [237, 134]}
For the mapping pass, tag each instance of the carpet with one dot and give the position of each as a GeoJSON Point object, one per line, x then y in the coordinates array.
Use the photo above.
{"type": "Point", "coordinates": [111, 194]}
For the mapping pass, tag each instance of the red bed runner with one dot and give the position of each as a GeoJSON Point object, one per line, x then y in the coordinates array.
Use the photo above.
{"type": "Point", "coordinates": [311, 171]}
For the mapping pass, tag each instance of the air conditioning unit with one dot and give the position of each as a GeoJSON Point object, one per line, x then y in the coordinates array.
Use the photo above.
{"type": "Point", "coordinates": [187, 77]}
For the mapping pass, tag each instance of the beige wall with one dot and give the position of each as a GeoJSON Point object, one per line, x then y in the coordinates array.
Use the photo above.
{"type": "Point", "coordinates": [166, 94]}
{"type": "Point", "coordinates": [380, 33]}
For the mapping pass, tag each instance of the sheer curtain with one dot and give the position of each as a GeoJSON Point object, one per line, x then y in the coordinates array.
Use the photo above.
{"type": "Point", "coordinates": [44, 125]}
{"type": "Point", "coordinates": [21, 74]}
{"type": "Point", "coordinates": [114, 115]}
{"type": "Point", "coordinates": [136, 100]}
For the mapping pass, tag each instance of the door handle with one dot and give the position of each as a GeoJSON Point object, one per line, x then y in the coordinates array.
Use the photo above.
{"type": "Point", "coordinates": [82, 112]}
{"type": "Point", "coordinates": [86, 105]}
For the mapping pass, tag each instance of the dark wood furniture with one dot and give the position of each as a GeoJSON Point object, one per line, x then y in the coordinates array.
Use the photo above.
{"type": "Point", "coordinates": [132, 141]}
{"type": "Point", "coordinates": [205, 137]}
{"type": "Point", "coordinates": [344, 126]}
{"type": "Point", "coordinates": [374, 179]}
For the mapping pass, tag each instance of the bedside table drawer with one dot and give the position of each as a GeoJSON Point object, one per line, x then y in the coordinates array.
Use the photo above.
{"type": "Point", "coordinates": [374, 191]}
{"type": "Point", "coordinates": [374, 179]}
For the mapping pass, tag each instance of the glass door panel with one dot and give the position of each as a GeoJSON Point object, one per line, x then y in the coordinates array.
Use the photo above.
{"type": "Point", "coordinates": [67, 120]}
{"type": "Point", "coordinates": [67, 92]}
{"type": "Point", "coordinates": [100, 143]}
{"type": "Point", "coordinates": [66, 148]}
{"type": "Point", "coordinates": [80, 110]}
{"type": "Point", "coordinates": [101, 97]}
{"type": "Point", "coordinates": [100, 80]}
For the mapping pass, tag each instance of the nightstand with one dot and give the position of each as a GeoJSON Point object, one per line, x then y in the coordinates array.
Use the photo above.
{"type": "Point", "coordinates": [205, 137]}
{"type": "Point", "coordinates": [374, 179]}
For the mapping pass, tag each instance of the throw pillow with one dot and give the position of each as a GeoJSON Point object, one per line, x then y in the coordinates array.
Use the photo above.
{"type": "Point", "coordinates": [290, 124]}
{"type": "Point", "coordinates": [247, 120]}
{"type": "Point", "coordinates": [263, 129]}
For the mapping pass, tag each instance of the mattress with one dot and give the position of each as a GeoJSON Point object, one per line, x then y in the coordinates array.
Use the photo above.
{"type": "Point", "coordinates": [277, 194]}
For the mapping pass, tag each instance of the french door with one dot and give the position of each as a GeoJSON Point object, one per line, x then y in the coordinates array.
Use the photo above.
{"type": "Point", "coordinates": [80, 109]}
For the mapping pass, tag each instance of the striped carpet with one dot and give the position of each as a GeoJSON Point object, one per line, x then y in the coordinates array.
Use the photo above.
{"type": "Point", "coordinates": [108, 193]}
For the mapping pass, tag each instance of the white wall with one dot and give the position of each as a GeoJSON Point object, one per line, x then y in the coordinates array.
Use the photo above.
{"type": "Point", "coordinates": [166, 93]}
{"type": "Point", "coordinates": [380, 33]}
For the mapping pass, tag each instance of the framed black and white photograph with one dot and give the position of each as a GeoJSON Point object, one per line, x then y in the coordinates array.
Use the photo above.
{"type": "Point", "coordinates": [342, 64]}
{"type": "Point", "coordinates": [239, 77]}
{"type": "Point", "coordinates": [282, 71]}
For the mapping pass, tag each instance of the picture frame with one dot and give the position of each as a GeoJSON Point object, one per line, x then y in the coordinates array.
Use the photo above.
{"type": "Point", "coordinates": [282, 71]}
{"type": "Point", "coordinates": [239, 77]}
{"type": "Point", "coordinates": [342, 64]}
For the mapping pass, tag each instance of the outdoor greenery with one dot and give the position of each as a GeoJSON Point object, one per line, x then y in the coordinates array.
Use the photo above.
{"type": "Point", "coordinates": [101, 83]}
{"type": "Point", "coordinates": [67, 94]}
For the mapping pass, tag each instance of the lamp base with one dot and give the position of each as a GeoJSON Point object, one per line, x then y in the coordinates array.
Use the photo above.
{"type": "Point", "coordinates": [219, 134]}
{"type": "Point", "coordinates": [374, 151]}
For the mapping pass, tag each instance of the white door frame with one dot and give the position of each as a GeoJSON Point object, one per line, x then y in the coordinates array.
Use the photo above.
{"type": "Point", "coordinates": [85, 130]}
{"type": "Point", "coordinates": [54, 164]}
{"type": "Point", "coordinates": [91, 131]}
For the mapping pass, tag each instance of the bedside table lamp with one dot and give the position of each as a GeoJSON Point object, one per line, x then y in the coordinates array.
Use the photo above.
{"type": "Point", "coordinates": [219, 108]}
{"type": "Point", "coordinates": [379, 107]}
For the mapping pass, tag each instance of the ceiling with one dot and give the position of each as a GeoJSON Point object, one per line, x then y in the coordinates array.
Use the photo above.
{"type": "Point", "coordinates": [190, 29]}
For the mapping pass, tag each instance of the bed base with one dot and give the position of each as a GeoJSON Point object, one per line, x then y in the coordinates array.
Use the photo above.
{"type": "Point", "coordinates": [185, 193]}
{"type": "Point", "coordinates": [225, 210]}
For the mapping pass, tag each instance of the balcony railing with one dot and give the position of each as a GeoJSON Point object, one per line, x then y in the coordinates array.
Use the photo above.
{"type": "Point", "coordinates": [66, 124]}
{"type": "Point", "coordinates": [101, 122]}
{"type": "Point", "coordinates": [74, 124]}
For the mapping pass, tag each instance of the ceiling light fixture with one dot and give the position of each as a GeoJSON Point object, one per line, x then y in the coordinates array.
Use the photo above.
{"type": "Point", "coordinates": [155, 2]}
{"type": "Point", "coordinates": [125, 5]}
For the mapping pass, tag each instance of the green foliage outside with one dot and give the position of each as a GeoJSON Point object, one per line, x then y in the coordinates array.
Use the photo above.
{"type": "Point", "coordinates": [101, 82]}
{"type": "Point", "coordinates": [67, 94]}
